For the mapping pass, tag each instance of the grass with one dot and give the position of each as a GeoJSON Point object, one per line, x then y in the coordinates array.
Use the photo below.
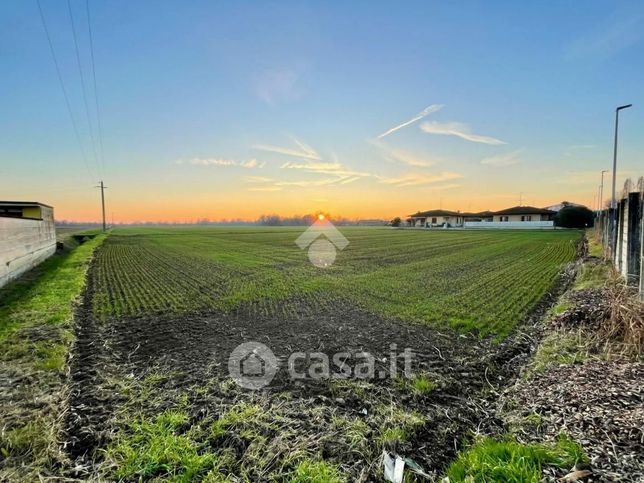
{"type": "Point", "coordinates": [157, 448]}
{"type": "Point", "coordinates": [417, 384]}
{"type": "Point", "coordinates": [45, 295]}
{"type": "Point", "coordinates": [512, 462]}
{"type": "Point", "coordinates": [593, 275]}
{"type": "Point", "coordinates": [36, 311]}
{"type": "Point", "coordinates": [472, 281]}
{"type": "Point", "coordinates": [309, 471]}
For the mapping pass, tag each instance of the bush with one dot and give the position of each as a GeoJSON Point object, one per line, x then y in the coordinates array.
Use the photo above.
{"type": "Point", "coordinates": [574, 217]}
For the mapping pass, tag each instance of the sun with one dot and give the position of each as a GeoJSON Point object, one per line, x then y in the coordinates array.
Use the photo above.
{"type": "Point", "coordinates": [320, 217]}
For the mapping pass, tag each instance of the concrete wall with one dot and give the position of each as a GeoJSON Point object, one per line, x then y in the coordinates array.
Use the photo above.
{"type": "Point", "coordinates": [537, 217]}
{"type": "Point", "coordinates": [510, 224]}
{"type": "Point", "coordinates": [25, 243]}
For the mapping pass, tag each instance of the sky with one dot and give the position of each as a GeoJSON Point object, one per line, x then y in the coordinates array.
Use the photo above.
{"type": "Point", "coordinates": [361, 109]}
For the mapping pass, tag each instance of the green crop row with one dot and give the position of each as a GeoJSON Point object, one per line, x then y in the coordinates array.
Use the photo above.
{"type": "Point", "coordinates": [485, 281]}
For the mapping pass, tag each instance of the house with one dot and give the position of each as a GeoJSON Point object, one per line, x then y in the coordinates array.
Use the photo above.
{"type": "Point", "coordinates": [436, 218]}
{"type": "Point", "coordinates": [523, 213]}
{"type": "Point", "coordinates": [516, 217]}
{"type": "Point", "coordinates": [480, 216]}
{"type": "Point", "coordinates": [28, 236]}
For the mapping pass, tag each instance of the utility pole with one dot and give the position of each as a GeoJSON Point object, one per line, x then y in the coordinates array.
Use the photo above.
{"type": "Point", "coordinates": [601, 190]}
{"type": "Point", "coordinates": [613, 202]}
{"type": "Point", "coordinates": [103, 188]}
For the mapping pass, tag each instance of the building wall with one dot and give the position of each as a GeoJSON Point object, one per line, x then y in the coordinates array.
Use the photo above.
{"type": "Point", "coordinates": [518, 217]}
{"type": "Point", "coordinates": [24, 243]}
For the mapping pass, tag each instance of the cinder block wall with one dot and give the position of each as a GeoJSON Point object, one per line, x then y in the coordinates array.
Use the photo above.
{"type": "Point", "coordinates": [24, 243]}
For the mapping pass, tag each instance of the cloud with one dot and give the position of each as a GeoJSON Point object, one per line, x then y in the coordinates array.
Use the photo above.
{"type": "Point", "coordinates": [305, 151]}
{"type": "Point", "coordinates": [278, 85]}
{"type": "Point", "coordinates": [501, 160]}
{"type": "Point", "coordinates": [419, 179]}
{"type": "Point", "coordinates": [615, 32]}
{"type": "Point", "coordinates": [265, 188]}
{"type": "Point", "coordinates": [335, 168]}
{"type": "Point", "coordinates": [425, 112]}
{"type": "Point", "coordinates": [257, 179]}
{"type": "Point", "coordinates": [457, 129]}
{"type": "Point", "coordinates": [219, 162]}
{"type": "Point", "coordinates": [396, 155]}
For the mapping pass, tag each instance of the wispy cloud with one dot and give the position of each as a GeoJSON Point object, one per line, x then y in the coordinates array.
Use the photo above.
{"type": "Point", "coordinates": [279, 85]}
{"type": "Point", "coordinates": [336, 169]}
{"type": "Point", "coordinates": [265, 188]}
{"type": "Point", "coordinates": [222, 163]}
{"type": "Point", "coordinates": [303, 151]}
{"type": "Point", "coordinates": [425, 112]}
{"type": "Point", "coordinates": [458, 129]}
{"type": "Point", "coordinates": [615, 32]}
{"type": "Point", "coordinates": [396, 155]}
{"type": "Point", "coordinates": [419, 179]}
{"type": "Point", "coordinates": [501, 160]}
{"type": "Point", "coordinates": [257, 179]}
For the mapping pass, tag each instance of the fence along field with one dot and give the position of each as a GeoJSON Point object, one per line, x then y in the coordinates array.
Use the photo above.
{"type": "Point", "coordinates": [482, 281]}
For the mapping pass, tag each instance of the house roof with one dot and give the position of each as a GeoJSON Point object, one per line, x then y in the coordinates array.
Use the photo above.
{"type": "Point", "coordinates": [524, 210]}
{"type": "Point", "coordinates": [425, 214]}
{"type": "Point", "coordinates": [23, 203]}
{"type": "Point", "coordinates": [479, 214]}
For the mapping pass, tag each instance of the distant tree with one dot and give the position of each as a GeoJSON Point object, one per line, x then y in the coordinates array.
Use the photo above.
{"type": "Point", "coordinates": [396, 221]}
{"type": "Point", "coordinates": [572, 216]}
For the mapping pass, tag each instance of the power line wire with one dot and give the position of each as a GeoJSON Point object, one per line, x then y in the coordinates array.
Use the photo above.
{"type": "Point", "coordinates": [84, 90]}
{"type": "Point", "coordinates": [98, 111]}
{"type": "Point", "coordinates": [62, 85]}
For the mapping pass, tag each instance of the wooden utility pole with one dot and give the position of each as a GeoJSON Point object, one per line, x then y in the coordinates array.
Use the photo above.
{"type": "Point", "coordinates": [102, 187]}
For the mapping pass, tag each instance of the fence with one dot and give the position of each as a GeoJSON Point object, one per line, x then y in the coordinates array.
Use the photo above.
{"type": "Point", "coordinates": [529, 225]}
{"type": "Point", "coordinates": [626, 245]}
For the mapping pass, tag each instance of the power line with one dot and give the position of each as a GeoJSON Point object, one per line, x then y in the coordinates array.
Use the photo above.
{"type": "Point", "coordinates": [84, 90]}
{"type": "Point", "coordinates": [62, 85]}
{"type": "Point", "coordinates": [98, 111]}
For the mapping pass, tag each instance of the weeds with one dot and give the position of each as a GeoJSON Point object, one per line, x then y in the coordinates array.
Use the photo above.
{"type": "Point", "coordinates": [510, 461]}
{"type": "Point", "coordinates": [316, 472]}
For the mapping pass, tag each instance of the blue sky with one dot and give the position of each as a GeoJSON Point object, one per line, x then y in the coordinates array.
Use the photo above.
{"type": "Point", "coordinates": [233, 109]}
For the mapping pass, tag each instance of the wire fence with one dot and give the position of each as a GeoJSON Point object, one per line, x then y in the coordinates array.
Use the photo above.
{"type": "Point", "coordinates": [622, 234]}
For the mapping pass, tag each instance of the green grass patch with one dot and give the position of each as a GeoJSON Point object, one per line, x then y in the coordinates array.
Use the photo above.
{"type": "Point", "coordinates": [512, 462]}
{"type": "Point", "coordinates": [44, 296]}
{"type": "Point", "coordinates": [158, 448]}
{"type": "Point", "coordinates": [238, 415]}
{"type": "Point", "coordinates": [592, 275]}
{"type": "Point", "coordinates": [558, 348]}
{"type": "Point", "coordinates": [418, 384]}
{"type": "Point", "coordinates": [309, 471]}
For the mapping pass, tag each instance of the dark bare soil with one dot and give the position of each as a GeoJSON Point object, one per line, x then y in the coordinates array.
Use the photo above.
{"type": "Point", "coordinates": [191, 349]}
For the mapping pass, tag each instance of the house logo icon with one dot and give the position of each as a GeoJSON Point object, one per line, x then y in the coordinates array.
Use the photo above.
{"type": "Point", "coordinates": [252, 365]}
{"type": "Point", "coordinates": [323, 240]}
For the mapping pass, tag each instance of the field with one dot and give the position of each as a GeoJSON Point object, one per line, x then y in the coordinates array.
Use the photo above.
{"type": "Point", "coordinates": [474, 281]}
{"type": "Point", "coordinates": [151, 395]}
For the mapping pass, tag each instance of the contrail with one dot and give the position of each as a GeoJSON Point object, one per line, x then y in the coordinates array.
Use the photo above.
{"type": "Point", "coordinates": [428, 110]}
